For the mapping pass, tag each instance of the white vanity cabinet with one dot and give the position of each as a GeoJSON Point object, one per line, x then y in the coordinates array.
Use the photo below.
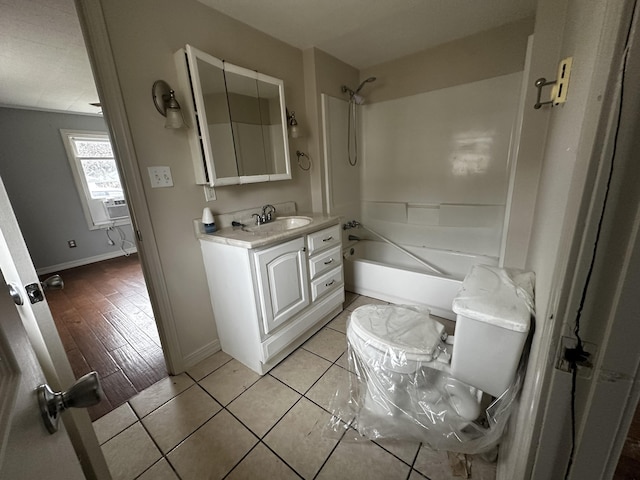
{"type": "Point", "coordinates": [283, 288]}
{"type": "Point", "coordinates": [267, 301]}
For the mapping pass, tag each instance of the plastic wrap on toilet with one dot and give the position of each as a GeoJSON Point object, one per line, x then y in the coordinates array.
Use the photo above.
{"type": "Point", "coordinates": [498, 296]}
{"type": "Point", "coordinates": [397, 394]}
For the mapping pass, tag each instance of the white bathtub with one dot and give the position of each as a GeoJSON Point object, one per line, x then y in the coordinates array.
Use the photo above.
{"type": "Point", "coordinates": [378, 270]}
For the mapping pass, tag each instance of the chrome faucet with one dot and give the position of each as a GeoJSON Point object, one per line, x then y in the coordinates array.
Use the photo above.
{"type": "Point", "coordinates": [266, 216]}
{"type": "Point", "coordinates": [267, 212]}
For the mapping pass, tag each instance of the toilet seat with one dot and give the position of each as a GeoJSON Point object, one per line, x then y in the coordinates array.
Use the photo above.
{"type": "Point", "coordinates": [396, 331]}
{"type": "Point", "coordinates": [407, 393]}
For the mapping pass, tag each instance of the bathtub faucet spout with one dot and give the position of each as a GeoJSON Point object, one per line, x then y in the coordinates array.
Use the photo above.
{"type": "Point", "coordinates": [353, 237]}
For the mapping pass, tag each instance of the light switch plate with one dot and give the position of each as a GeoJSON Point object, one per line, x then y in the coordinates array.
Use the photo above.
{"type": "Point", "coordinates": [160, 177]}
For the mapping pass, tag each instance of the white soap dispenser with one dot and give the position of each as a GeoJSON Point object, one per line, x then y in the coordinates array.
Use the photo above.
{"type": "Point", "coordinates": [208, 221]}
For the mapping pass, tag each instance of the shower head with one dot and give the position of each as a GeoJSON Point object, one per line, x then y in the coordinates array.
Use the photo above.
{"type": "Point", "coordinates": [368, 80]}
{"type": "Point", "coordinates": [353, 95]}
{"type": "Point", "coordinates": [357, 99]}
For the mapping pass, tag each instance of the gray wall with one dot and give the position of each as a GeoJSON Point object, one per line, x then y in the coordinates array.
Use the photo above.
{"type": "Point", "coordinates": [38, 178]}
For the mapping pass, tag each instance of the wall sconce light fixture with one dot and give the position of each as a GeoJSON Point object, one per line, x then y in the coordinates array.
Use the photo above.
{"type": "Point", "coordinates": [165, 101]}
{"type": "Point", "coordinates": [295, 131]}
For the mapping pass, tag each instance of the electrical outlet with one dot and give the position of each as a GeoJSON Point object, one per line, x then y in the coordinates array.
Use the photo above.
{"type": "Point", "coordinates": [584, 364]}
{"type": "Point", "coordinates": [160, 177]}
{"type": "Point", "coordinates": [71, 243]}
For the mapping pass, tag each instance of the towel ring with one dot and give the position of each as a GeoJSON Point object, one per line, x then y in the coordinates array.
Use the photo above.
{"type": "Point", "coordinates": [302, 154]}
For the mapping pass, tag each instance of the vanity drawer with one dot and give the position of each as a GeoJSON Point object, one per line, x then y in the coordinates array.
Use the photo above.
{"type": "Point", "coordinates": [326, 283]}
{"type": "Point", "coordinates": [324, 261]}
{"type": "Point", "coordinates": [327, 238]}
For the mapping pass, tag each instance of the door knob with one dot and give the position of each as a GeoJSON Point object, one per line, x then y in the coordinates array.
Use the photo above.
{"type": "Point", "coordinates": [54, 282]}
{"type": "Point", "coordinates": [15, 294]}
{"type": "Point", "coordinates": [85, 392]}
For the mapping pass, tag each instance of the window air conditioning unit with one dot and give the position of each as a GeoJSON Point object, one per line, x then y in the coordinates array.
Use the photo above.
{"type": "Point", "coordinates": [116, 208]}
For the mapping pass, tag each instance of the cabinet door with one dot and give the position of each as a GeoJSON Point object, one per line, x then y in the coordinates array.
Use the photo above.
{"type": "Point", "coordinates": [282, 282]}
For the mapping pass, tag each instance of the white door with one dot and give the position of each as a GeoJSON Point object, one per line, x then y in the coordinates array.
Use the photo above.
{"type": "Point", "coordinates": [27, 449]}
{"type": "Point", "coordinates": [36, 319]}
{"type": "Point", "coordinates": [282, 281]}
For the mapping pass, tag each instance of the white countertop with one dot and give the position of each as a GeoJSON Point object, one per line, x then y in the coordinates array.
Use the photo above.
{"type": "Point", "coordinates": [241, 237]}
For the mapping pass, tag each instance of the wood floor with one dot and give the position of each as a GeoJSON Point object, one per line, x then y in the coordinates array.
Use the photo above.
{"type": "Point", "coordinates": [629, 463]}
{"type": "Point", "coordinates": [106, 324]}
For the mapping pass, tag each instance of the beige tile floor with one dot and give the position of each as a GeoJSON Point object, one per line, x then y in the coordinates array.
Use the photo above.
{"type": "Point", "coordinates": [221, 420]}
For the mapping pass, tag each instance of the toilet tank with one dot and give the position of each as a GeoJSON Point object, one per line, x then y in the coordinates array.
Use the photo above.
{"type": "Point", "coordinates": [493, 310]}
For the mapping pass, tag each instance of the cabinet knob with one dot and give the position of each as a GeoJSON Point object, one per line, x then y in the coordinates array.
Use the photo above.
{"type": "Point", "coordinates": [303, 249]}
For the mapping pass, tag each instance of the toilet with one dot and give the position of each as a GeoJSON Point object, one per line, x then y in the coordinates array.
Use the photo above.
{"type": "Point", "coordinates": [417, 381]}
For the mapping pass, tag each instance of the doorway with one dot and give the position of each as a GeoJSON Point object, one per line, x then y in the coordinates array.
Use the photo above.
{"type": "Point", "coordinates": [36, 172]}
{"type": "Point", "coordinates": [106, 323]}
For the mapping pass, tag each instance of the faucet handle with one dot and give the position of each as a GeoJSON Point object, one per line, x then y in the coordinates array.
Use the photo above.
{"type": "Point", "coordinates": [258, 218]}
{"type": "Point", "coordinates": [268, 211]}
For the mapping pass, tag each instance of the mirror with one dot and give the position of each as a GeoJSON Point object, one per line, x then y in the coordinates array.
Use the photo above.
{"type": "Point", "coordinates": [238, 123]}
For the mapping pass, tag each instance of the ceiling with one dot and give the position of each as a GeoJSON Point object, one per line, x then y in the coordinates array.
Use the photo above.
{"type": "Point", "coordinates": [364, 33]}
{"type": "Point", "coordinates": [44, 65]}
{"type": "Point", "coordinates": [43, 61]}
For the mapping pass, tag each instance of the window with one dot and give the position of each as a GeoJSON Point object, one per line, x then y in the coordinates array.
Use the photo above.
{"type": "Point", "coordinates": [96, 176]}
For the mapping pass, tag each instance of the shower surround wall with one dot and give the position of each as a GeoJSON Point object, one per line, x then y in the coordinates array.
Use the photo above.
{"type": "Point", "coordinates": [435, 165]}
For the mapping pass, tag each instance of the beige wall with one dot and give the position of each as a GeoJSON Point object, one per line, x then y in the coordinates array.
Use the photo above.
{"type": "Point", "coordinates": [144, 36]}
{"type": "Point", "coordinates": [488, 54]}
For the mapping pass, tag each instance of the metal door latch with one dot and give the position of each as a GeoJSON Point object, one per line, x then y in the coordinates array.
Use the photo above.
{"type": "Point", "coordinates": [34, 293]}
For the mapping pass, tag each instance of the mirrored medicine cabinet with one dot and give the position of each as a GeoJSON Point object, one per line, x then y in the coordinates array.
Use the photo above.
{"type": "Point", "coordinates": [236, 119]}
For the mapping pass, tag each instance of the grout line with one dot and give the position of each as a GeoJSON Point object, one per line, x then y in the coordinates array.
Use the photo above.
{"type": "Point", "coordinates": [260, 440]}
{"type": "Point", "coordinates": [312, 385]}
{"type": "Point", "coordinates": [281, 459]}
{"type": "Point", "coordinates": [243, 457]}
{"type": "Point", "coordinates": [163, 403]}
{"type": "Point", "coordinates": [187, 437]}
{"type": "Point", "coordinates": [212, 371]}
{"type": "Point", "coordinates": [416, 455]}
{"type": "Point", "coordinates": [331, 453]}
{"type": "Point", "coordinates": [279, 419]}
{"type": "Point", "coordinates": [391, 453]}
{"type": "Point", "coordinates": [418, 473]}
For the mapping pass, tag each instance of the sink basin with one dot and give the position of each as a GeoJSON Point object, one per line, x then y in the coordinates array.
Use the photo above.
{"type": "Point", "coordinates": [280, 224]}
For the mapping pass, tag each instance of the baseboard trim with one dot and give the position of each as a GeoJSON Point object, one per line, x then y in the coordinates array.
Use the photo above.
{"type": "Point", "coordinates": [201, 353]}
{"type": "Point", "coordinates": [82, 261]}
